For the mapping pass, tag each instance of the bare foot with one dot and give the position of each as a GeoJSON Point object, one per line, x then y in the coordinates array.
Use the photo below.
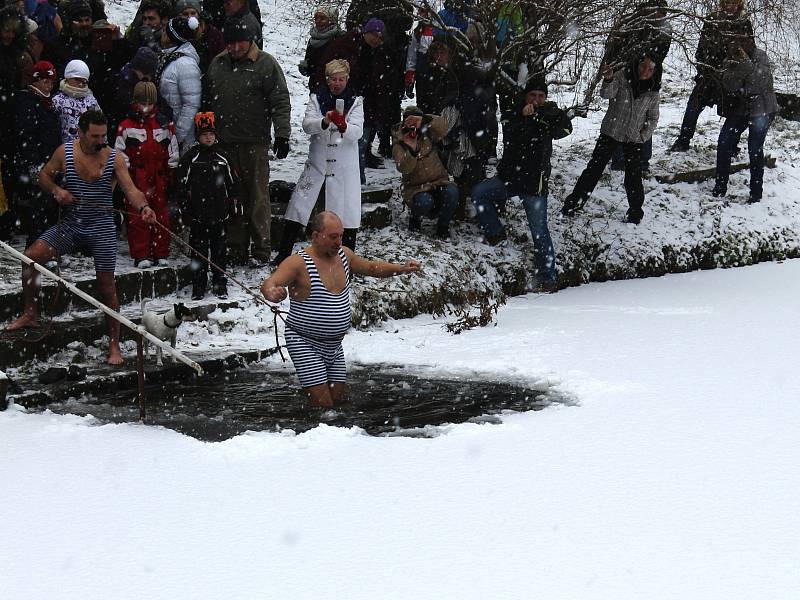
{"type": "Point", "coordinates": [115, 357]}
{"type": "Point", "coordinates": [23, 322]}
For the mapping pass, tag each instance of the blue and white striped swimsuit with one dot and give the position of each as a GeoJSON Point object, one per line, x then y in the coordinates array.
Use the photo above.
{"type": "Point", "coordinates": [89, 221]}
{"type": "Point", "coordinates": [315, 328]}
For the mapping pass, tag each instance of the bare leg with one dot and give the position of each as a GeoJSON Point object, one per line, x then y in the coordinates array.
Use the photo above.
{"type": "Point", "coordinates": [108, 290]}
{"type": "Point", "coordinates": [337, 392]}
{"type": "Point", "coordinates": [39, 252]}
{"type": "Point", "coordinates": [319, 395]}
{"type": "Point", "coordinates": [326, 394]}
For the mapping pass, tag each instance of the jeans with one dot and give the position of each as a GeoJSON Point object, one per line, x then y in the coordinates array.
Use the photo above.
{"type": "Point", "coordinates": [424, 204]}
{"type": "Point", "coordinates": [364, 144]}
{"type": "Point", "coordinates": [597, 163]}
{"type": "Point", "coordinates": [492, 193]}
{"type": "Point", "coordinates": [729, 135]}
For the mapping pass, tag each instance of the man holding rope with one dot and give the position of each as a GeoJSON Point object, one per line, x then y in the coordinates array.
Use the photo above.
{"type": "Point", "coordinates": [90, 169]}
{"type": "Point", "coordinates": [318, 281]}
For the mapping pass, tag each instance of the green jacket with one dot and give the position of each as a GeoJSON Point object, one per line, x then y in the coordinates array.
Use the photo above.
{"type": "Point", "coordinates": [248, 98]}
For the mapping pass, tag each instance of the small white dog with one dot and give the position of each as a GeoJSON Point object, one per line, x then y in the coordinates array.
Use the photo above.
{"type": "Point", "coordinates": [165, 325]}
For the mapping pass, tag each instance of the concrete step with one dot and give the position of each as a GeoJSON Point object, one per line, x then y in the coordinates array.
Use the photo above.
{"type": "Point", "coordinates": [19, 346]}
{"type": "Point", "coordinates": [103, 378]}
{"type": "Point", "coordinates": [131, 286]}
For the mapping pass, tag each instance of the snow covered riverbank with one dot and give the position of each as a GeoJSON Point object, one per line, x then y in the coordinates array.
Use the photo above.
{"type": "Point", "coordinates": [675, 477]}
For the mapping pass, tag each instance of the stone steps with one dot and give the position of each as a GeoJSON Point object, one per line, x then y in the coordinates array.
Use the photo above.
{"type": "Point", "coordinates": [102, 378]}
{"type": "Point", "coordinates": [131, 287]}
{"type": "Point", "coordinates": [85, 327]}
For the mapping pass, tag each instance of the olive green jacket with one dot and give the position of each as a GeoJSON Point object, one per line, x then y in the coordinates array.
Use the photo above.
{"type": "Point", "coordinates": [248, 97]}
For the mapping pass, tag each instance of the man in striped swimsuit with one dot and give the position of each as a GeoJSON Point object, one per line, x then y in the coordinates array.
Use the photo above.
{"type": "Point", "coordinates": [318, 281]}
{"type": "Point", "coordinates": [90, 170]}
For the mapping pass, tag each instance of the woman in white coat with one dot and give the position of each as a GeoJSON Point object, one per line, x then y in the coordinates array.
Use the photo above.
{"type": "Point", "coordinates": [335, 120]}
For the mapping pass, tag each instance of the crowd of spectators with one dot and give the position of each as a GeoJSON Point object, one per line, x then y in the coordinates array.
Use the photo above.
{"type": "Point", "coordinates": [196, 105]}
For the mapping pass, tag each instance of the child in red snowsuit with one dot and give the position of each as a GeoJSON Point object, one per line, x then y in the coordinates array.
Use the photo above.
{"type": "Point", "coordinates": [147, 138]}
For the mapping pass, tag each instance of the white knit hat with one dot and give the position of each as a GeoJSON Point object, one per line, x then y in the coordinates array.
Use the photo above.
{"type": "Point", "coordinates": [78, 69]}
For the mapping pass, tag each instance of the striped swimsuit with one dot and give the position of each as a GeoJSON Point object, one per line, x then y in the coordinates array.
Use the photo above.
{"type": "Point", "coordinates": [315, 328]}
{"type": "Point", "coordinates": [88, 221]}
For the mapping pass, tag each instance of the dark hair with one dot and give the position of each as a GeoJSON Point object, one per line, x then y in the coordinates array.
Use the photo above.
{"type": "Point", "coordinates": [91, 117]}
{"type": "Point", "coordinates": [160, 7]}
{"type": "Point", "coordinates": [9, 14]}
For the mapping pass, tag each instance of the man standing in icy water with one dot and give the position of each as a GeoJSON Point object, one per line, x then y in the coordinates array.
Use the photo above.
{"type": "Point", "coordinates": [318, 280]}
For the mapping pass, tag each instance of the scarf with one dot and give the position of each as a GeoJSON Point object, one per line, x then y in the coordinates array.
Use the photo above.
{"type": "Point", "coordinates": [74, 92]}
{"type": "Point", "coordinates": [327, 101]}
{"type": "Point", "coordinates": [46, 100]}
{"type": "Point", "coordinates": [320, 38]}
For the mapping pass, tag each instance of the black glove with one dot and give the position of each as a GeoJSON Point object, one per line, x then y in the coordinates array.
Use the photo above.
{"type": "Point", "coordinates": [281, 147]}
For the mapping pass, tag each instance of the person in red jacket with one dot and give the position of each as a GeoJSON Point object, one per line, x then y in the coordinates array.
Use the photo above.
{"type": "Point", "coordinates": [147, 138]}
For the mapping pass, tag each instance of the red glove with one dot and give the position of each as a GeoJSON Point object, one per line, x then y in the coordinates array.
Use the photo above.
{"type": "Point", "coordinates": [340, 122]}
{"type": "Point", "coordinates": [410, 76]}
{"type": "Point", "coordinates": [331, 116]}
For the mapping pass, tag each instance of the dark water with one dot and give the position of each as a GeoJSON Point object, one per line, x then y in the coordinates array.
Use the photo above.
{"type": "Point", "coordinates": [382, 401]}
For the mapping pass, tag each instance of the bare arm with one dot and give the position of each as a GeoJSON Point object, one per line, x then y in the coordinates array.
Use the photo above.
{"type": "Point", "coordinates": [132, 193]}
{"type": "Point", "coordinates": [47, 177]}
{"type": "Point", "coordinates": [274, 286]}
{"type": "Point", "coordinates": [379, 268]}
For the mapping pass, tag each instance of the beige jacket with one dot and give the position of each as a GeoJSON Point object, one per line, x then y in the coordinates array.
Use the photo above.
{"type": "Point", "coordinates": [421, 168]}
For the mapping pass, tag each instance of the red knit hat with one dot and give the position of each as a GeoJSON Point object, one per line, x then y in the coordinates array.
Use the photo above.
{"type": "Point", "coordinates": [43, 70]}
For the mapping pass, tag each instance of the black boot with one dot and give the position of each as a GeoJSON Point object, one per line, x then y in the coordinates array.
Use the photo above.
{"type": "Point", "coordinates": [372, 161]}
{"type": "Point", "coordinates": [572, 204]}
{"type": "Point", "coordinates": [680, 145]}
{"type": "Point", "coordinates": [291, 232]}
{"type": "Point", "coordinates": [198, 291]}
{"type": "Point", "coordinates": [220, 289]}
{"type": "Point", "coordinates": [349, 238]}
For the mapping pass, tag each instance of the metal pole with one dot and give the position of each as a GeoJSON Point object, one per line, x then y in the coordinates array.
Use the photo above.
{"type": "Point", "coordinates": [112, 313]}
{"type": "Point", "coordinates": [140, 370]}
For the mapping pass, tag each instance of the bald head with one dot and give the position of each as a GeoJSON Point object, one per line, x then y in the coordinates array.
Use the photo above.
{"type": "Point", "coordinates": [326, 233]}
{"type": "Point", "coordinates": [323, 220]}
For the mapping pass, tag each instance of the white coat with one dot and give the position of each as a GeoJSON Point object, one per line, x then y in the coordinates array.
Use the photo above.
{"type": "Point", "coordinates": [181, 88]}
{"type": "Point", "coordinates": [332, 161]}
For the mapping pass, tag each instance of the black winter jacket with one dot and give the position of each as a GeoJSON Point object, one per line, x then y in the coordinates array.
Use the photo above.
{"type": "Point", "coordinates": [37, 131]}
{"type": "Point", "coordinates": [525, 166]}
{"type": "Point", "coordinates": [208, 185]}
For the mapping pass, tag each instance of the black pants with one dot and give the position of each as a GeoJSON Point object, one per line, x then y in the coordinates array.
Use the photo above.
{"type": "Point", "coordinates": [36, 211]}
{"type": "Point", "coordinates": [7, 219]}
{"type": "Point", "coordinates": [601, 154]}
{"type": "Point", "coordinates": [204, 237]}
{"type": "Point", "coordinates": [702, 95]}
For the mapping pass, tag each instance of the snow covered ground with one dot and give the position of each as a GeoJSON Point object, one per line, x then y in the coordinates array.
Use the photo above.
{"type": "Point", "coordinates": [675, 476]}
